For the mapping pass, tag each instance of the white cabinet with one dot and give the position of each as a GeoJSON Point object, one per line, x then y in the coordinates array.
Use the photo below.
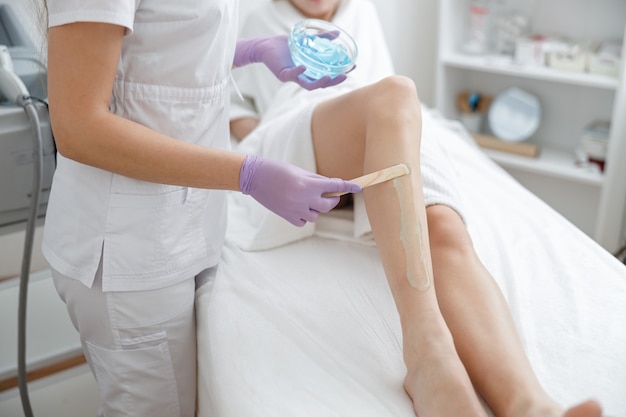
{"type": "Point", "coordinates": [594, 201]}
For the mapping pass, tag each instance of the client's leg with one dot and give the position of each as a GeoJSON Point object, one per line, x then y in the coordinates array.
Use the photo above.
{"type": "Point", "coordinates": [364, 131]}
{"type": "Point", "coordinates": [483, 329]}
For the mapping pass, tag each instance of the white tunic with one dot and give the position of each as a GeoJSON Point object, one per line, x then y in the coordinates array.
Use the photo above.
{"type": "Point", "coordinates": [173, 77]}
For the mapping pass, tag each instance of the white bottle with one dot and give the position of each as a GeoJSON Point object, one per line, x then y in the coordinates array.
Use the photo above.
{"type": "Point", "coordinates": [479, 26]}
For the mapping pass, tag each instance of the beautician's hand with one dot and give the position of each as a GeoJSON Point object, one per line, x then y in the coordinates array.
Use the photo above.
{"type": "Point", "coordinates": [273, 51]}
{"type": "Point", "coordinates": [289, 191]}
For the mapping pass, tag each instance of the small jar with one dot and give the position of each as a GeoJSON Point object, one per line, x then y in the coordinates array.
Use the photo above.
{"type": "Point", "coordinates": [479, 27]}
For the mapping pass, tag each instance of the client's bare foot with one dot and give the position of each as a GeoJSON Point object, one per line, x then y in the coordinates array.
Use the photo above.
{"type": "Point", "coordinates": [589, 408]}
{"type": "Point", "coordinates": [438, 384]}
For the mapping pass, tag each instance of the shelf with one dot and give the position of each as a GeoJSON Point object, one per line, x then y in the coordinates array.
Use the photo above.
{"type": "Point", "coordinates": [498, 64]}
{"type": "Point", "coordinates": [550, 162]}
{"type": "Point", "coordinates": [594, 199]}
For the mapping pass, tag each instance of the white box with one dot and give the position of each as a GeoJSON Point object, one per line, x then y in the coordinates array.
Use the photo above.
{"type": "Point", "coordinates": [604, 64]}
{"type": "Point", "coordinates": [529, 52]}
{"type": "Point", "coordinates": [566, 61]}
{"type": "Point", "coordinates": [535, 50]}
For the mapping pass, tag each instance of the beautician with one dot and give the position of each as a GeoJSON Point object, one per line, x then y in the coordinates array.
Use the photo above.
{"type": "Point", "coordinates": [139, 104]}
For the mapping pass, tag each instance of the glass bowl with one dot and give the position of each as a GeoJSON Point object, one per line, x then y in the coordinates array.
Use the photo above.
{"type": "Point", "coordinates": [322, 47]}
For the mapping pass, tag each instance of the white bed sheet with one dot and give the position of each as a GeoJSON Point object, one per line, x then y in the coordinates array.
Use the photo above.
{"type": "Point", "coordinates": [310, 328]}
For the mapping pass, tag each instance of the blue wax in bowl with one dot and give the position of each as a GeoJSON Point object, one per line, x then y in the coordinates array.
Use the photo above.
{"type": "Point", "coordinates": [323, 48]}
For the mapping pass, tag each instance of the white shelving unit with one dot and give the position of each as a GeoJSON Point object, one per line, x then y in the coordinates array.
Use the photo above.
{"type": "Point", "coordinates": [595, 201]}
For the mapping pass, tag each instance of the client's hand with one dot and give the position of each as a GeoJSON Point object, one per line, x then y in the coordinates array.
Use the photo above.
{"type": "Point", "coordinates": [273, 51]}
{"type": "Point", "coordinates": [289, 191]}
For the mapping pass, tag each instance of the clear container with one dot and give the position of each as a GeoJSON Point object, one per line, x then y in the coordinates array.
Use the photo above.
{"type": "Point", "coordinates": [479, 15]}
{"type": "Point", "coordinates": [322, 47]}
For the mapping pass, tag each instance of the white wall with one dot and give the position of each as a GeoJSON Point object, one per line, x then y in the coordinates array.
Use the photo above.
{"type": "Point", "coordinates": [11, 250]}
{"type": "Point", "coordinates": [411, 30]}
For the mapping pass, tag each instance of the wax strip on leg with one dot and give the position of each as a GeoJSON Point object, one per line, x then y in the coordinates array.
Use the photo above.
{"type": "Point", "coordinates": [411, 234]}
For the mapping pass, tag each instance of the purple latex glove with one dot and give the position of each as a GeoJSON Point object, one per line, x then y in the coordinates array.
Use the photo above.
{"type": "Point", "coordinates": [273, 51]}
{"type": "Point", "coordinates": [289, 191]}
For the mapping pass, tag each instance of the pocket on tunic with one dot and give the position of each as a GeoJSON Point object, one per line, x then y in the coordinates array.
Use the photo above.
{"type": "Point", "coordinates": [148, 234]}
{"type": "Point", "coordinates": [136, 380]}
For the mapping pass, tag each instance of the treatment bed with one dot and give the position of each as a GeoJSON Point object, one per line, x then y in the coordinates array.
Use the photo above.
{"type": "Point", "coordinates": [309, 328]}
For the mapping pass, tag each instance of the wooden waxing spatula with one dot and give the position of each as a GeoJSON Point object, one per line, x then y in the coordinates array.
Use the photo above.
{"type": "Point", "coordinates": [377, 177]}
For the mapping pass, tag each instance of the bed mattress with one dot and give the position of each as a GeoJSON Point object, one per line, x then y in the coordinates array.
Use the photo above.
{"type": "Point", "coordinates": [310, 328]}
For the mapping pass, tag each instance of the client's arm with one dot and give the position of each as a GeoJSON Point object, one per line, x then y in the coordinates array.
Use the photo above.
{"type": "Point", "coordinates": [241, 127]}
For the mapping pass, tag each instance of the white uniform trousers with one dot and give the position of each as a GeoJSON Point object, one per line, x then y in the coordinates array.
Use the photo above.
{"type": "Point", "coordinates": [140, 345]}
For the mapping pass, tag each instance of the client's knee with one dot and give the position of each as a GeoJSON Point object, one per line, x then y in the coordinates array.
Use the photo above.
{"type": "Point", "coordinates": [395, 97]}
{"type": "Point", "coordinates": [447, 232]}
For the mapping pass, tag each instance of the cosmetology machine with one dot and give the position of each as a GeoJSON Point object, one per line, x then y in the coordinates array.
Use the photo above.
{"type": "Point", "coordinates": [20, 64]}
{"type": "Point", "coordinates": [27, 155]}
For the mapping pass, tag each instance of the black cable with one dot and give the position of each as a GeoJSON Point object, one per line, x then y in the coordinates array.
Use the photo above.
{"type": "Point", "coordinates": [27, 103]}
{"type": "Point", "coordinates": [39, 100]}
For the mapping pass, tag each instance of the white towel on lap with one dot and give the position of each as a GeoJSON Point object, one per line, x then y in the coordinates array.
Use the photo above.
{"type": "Point", "coordinates": [288, 138]}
